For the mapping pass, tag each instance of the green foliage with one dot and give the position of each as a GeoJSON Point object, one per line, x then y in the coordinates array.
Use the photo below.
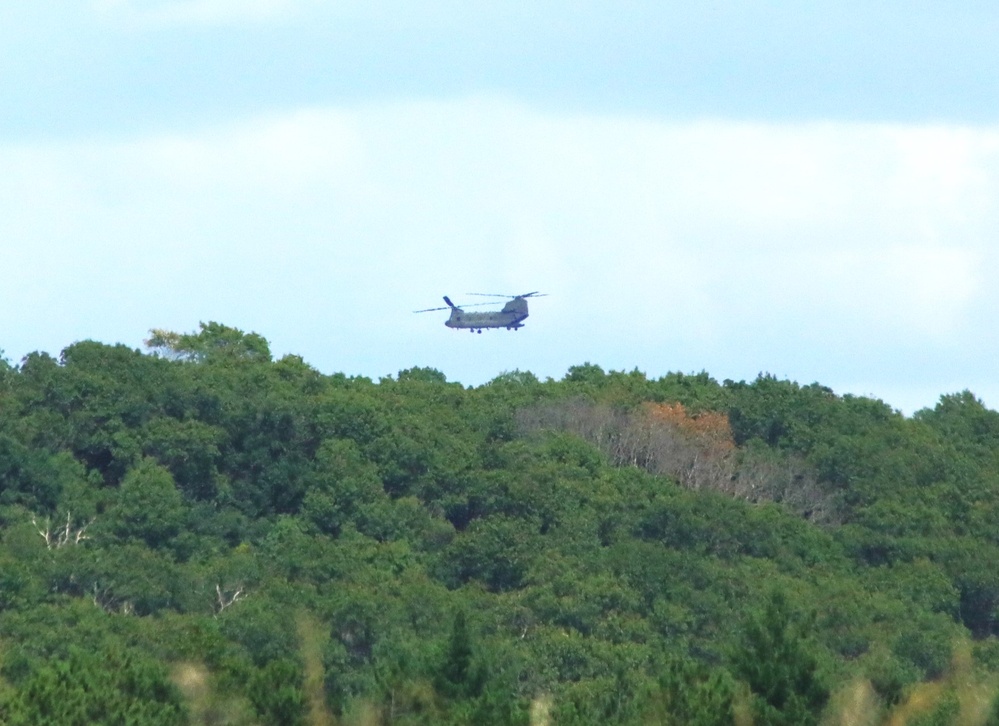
{"type": "Point", "coordinates": [689, 693]}
{"type": "Point", "coordinates": [554, 551]}
{"type": "Point", "coordinates": [496, 551]}
{"type": "Point", "coordinates": [190, 449]}
{"type": "Point", "coordinates": [214, 342]}
{"type": "Point", "coordinates": [587, 373]}
{"type": "Point", "coordinates": [276, 693]}
{"type": "Point", "coordinates": [27, 477]}
{"type": "Point", "coordinates": [424, 375]}
{"type": "Point", "coordinates": [149, 507]}
{"type": "Point", "coordinates": [964, 420]}
{"type": "Point", "coordinates": [459, 676]}
{"type": "Point", "coordinates": [778, 664]}
{"type": "Point", "coordinates": [85, 688]}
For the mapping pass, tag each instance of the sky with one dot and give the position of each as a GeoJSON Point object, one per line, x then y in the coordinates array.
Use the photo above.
{"type": "Point", "coordinates": [809, 190]}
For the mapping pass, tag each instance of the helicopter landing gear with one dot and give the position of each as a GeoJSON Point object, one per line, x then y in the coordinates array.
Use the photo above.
{"type": "Point", "coordinates": [479, 331]}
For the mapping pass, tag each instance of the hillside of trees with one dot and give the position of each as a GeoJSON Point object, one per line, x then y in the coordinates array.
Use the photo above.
{"type": "Point", "coordinates": [197, 533]}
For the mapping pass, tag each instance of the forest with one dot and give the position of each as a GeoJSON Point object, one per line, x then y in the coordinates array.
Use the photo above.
{"type": "Point", "coordinates": [199, 533]}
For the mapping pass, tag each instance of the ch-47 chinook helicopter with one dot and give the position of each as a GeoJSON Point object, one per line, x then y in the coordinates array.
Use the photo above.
{"type": "Point", "coordinates": [511, 317]}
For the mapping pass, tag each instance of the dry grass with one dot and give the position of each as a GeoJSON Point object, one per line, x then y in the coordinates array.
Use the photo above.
{"type": "Point", "coordinates": [205, 706]}
{"type": "Point", "coordinates": [312, 639]}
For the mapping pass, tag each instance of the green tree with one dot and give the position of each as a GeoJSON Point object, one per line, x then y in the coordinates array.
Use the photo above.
{"type": "Point", "coordinates": [343, 482]}
{"type": "Point", "coordinates": [691, 694]}
{"type": "Point", "coordinates": [149, 506]}
{"type": "Point", "coordinates": [190, 449]}
{"type": "Point", "coordinates": [587, 373]}
{"type": "Point", "coordinates": [496, 550]}
{"type": "Point", "coordinates": [276, 693]}
{"type": "Point", "coordinates": [777, 662]}
{"type": "Point", "coordinates": [458, 677]}
{"type": "Point", "coordinates": [212, 342]}
{"type": "Point", "coordinates": [964, 418]}
{"type": "Point", "coordinates": [96, 689]}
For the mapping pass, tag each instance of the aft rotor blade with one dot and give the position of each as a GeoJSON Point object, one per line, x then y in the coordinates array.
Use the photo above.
{"type": "Point", "coordinates": [536, 293]}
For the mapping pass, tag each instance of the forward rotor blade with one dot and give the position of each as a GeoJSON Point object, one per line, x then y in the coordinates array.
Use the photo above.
{"type": "Point", "coordinates": [473, 305]}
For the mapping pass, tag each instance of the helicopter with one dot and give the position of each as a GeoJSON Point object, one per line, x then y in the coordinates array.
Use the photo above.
{"type": "Point", "coordinates": [511, 317]}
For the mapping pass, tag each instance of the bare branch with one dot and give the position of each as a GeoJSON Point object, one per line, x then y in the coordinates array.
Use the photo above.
{"type": "Point", "coordinates": [67, 534]}
{"type": "Point", "coordinates": [106, 600]}
{"type": "Point", "coordinates": [45, 533]}
{"type": "Point", "coordinates": [696, 450]}
{"type": "Point", "coordinates": [226, 599]}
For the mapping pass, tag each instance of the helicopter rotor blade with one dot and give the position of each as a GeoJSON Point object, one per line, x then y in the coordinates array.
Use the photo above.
{"type": "Point", "coordinates": [536, 293]}
{"type": "Point", "coordinates": [452, 306]}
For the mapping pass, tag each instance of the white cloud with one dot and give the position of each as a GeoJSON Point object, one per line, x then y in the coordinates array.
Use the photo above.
{"type": "Point", "coordinates": [815, 251]}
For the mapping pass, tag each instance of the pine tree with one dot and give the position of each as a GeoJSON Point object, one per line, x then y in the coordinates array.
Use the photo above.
{"type": "Point", "coordinates": [781, 671]}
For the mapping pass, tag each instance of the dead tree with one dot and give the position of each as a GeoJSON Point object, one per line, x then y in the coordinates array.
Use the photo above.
{"type": "Point", "coordinates": [226, 599]}
{"type": "Point", "coordinates": [63, 535]}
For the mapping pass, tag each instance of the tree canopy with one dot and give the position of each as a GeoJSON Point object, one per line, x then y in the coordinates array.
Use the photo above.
{"type": "Point", "coordinates": [202, 534]}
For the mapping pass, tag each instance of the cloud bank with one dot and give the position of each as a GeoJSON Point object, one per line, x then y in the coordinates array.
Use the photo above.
{"type": "Point", "coordinates": [858, 255]}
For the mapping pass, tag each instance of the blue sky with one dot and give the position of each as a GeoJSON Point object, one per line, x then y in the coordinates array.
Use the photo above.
{"type": "Point", "coordinates": [810, 190]}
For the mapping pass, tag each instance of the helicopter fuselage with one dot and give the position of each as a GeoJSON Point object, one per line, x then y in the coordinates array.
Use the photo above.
{"type": "Point", "coordinates": [510, 317]}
